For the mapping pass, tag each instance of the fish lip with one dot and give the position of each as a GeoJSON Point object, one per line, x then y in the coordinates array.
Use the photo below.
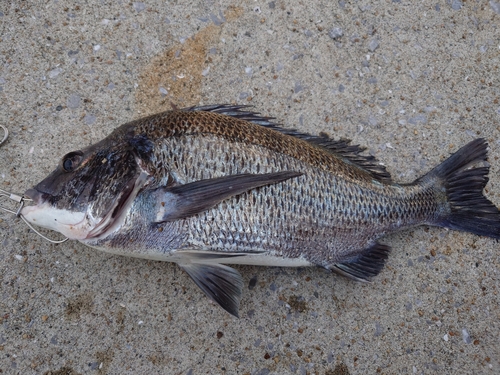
{"type": "Point", "coordinates": [36, 196]}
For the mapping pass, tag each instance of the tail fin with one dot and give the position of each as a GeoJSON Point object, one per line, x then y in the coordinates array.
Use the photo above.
{"type": "Point", "coordinates": [464, 176]}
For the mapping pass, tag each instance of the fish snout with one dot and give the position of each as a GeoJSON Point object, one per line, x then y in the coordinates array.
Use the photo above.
{"type": "Point", "coordinates": [34, 195]}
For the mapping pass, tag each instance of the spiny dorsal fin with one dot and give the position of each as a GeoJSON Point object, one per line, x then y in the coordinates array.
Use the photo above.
{"type": "Point", "coordinates": [342, 148]}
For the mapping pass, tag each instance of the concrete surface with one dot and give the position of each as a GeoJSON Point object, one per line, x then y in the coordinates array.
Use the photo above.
{"type": "Point", "coordinates": [411, 80]}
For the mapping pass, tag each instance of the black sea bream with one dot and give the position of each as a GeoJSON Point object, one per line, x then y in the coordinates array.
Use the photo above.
{"type": "Point", "coordinates": [215, 185]}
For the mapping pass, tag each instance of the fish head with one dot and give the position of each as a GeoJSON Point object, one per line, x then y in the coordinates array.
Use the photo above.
{"type": "Point", "coordinates": [89, 193]}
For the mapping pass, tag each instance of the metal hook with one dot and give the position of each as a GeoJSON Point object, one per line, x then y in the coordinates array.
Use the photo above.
{"type": "Point", "coordinates": [5, 134]}
{"type": "Point", "coordinates": [20, 200]}
{"type": "Point", "coordinates": [41, 235]}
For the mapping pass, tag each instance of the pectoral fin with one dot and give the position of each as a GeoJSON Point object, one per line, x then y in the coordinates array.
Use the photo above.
{"type": "Point", "coordinates": [179, 202]}
{"type": "Point", "coordinates": [222, 284]}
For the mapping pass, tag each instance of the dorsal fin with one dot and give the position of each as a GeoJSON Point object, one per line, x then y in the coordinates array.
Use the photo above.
{"type": "Point", "coordinates": [342, 148]}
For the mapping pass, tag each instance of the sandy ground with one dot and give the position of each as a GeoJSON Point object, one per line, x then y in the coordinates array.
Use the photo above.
{"type": "Point", "coordinates": [411, 80]}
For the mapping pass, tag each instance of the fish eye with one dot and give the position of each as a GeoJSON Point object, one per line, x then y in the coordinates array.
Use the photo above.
{"type": "Point", "coordinates": [72, 160]}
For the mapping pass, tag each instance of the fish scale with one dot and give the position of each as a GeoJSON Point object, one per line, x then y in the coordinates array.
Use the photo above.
{"type": "Point", "coordinates": [209, 186]}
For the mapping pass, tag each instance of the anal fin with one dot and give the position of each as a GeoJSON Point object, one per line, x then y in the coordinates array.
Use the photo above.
{"type": "Point", "coordinates": [222, 284]}
{"type": "Point", "coordinates": [366, 265]}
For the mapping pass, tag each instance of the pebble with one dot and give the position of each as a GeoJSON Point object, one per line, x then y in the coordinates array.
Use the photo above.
{"type": "Point", "coordinates": [495, 6]}
{"type": "Point", "coordinates": [456, 5]}
{"type": "Point", "coordinates": [73, 101]}
{"type": "Point", "coordinates": [89, 119]}
{"type": "Point", "coordinates": [55, 72]}
{"type": "Point", "coordinates": [216, 20]}
{"type": "Point", "coordinates": [335, 33]}
{"type": "Point", "coordinates": [466, 337]}
{"type": "Point", "coordinates": [298, 87]}
{"type": "Point", "coordinates": [139, 7]}
{"type": "Point", "coordinates": [373, 45]}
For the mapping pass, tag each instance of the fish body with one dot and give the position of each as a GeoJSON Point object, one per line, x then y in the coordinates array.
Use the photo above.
{"type": "Point", "coordinates": [215, 185]}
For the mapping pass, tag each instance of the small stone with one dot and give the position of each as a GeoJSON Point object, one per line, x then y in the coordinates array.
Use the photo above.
{"type": "Point", "coordinates": [495, 6]}
{"type": "Point", "coordinates": [373, 45]}
{"type": "Point", "coordinates": [418, 119]}
{"type": "Point", "coordinates": [466, 337]}
{"type": "Point", "coordinates": [252, 282]}
{"type": "Point", "coordinates": [335, 33]}
{"type": "Point", "coordinates": [139, 7]}
{"type": "Point", "coordinates": [55, 72]}
{"type": "Point", "coordinates": [298, 88]}
{"type": "Point", "coordinates": [73, 101]}
{"type": "Point", "coordinates": [456, 5]}
{"type": "Point", "coordinates": [216, 20]}
{"type": "Point", "coordinates": [89, 119]}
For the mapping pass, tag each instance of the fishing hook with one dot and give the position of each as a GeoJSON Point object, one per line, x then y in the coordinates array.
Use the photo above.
{"type": "Point", "coordinates": [21, 200]}
{"type": "Point", "coordinates": [5, 134]}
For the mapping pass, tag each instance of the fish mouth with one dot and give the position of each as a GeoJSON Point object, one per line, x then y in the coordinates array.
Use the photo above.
{"type": "Point", "coordinates": [36, 196]}
{"type": "Point", "coordinates": [69, 223]}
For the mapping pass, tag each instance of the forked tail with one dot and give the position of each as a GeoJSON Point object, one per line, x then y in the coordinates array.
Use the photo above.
{"type": "Point", "coordinates": [463, 176]}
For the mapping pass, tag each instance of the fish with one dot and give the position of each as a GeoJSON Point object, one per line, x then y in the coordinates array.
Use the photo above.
{"type": "Point", "coordinates": [211, 186]}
